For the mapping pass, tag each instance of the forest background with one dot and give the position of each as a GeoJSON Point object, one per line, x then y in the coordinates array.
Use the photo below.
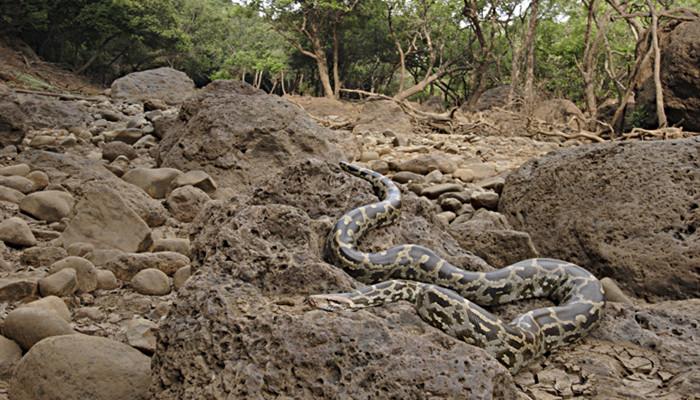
{"type": "Point", "coordinates": [585, 51]}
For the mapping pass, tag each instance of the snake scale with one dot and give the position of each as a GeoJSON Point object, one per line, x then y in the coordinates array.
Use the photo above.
{"type": "Point", "coordinates": [450, 298]}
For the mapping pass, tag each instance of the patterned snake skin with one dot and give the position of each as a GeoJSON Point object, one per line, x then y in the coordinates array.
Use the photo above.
{"type": "Point", "coordinates": [446, 296]}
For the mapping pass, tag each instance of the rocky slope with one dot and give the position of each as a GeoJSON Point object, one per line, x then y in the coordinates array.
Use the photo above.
{"type": "Point", "coordinates": [183, 239]}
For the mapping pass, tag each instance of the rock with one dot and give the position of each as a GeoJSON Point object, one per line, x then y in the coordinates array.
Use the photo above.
{"type": "Point", "coordinates": [223, 132]}
{"type": "Point", "coordinates": [81, 367]}
{"type": "Point", "coordinates": [185, 202]}
{"type": "Point", "coordinates": [488, 200]}
{"type": "Point", "coordinates": [166, 84]}
{"type": "Point", "coordinates": [406, 177]}
{"type": "Point", "coordinates": [112, 150]}
{"type": "Point", "coordinates": [181, 276]}
{"type": "Point", "coordinates": [680, 80]}
{"type": "Point", "coordinates": [27, 326]}
{"type": "Point", "coordinates": [106, 280]}
{"type": "Point", "coordinates": [150, 105]}
{"type": "Point", "coordinates": [380, 166]}
{"type": "Point", "coordinates": [49, 205]}
{"type": "Point", "coordinates": [450, 204]}
{"type": "Point", "coordinates": [639, 228]}
{"type": "Point", "coordinates": [10, 195]}
{"type": "Point", "coordinates": [378, 116]}
{"type": "Point", "coordinates": [261, 259]}
{"type": "Point", "coordinates": [10, 354]}
{"type": "Point", "coordinates": [79, 249]}
{"type": "Point", "coordinates": [433, 192]}
{"type": "Point", "coordinates": [18, 183]}
{"type": "Point", "coordinates": [119, 166]}
{"type": "Point", "coordinates": [495, 183]}
{"type": "Point", "coordinates": [52, 304]}
{"type": "Point", "coordinates": [15, 231]}
{"type": "Point", "coordinates": [426, 163]}
{"type": "Point", "coordinates": [475, 172]}
{"type": "Point", "coordinates": [16, 169]}
{"type": "Point", "coordinates": [199, 179]}
{"type": "Point", "coordinates": [154, 181]}
{"type": "Point", "coordinates": [127, 265]}
{"type": "Point", "coordinates": [613, 292]}
{"type": "Point", "coordinates": [104, 220]}
{"type": "Point", "coordinates": [81, 176]}
{"type": "Point", "coordinates": [40, 180]}
{"type": "Point", "coordinates": [489, 236]}
{"type": "Point", "coordinates": [560, 111]}
{"type": "Point", "coordinates": [110, 115]}
{"type": "Point", "coordinates": [446, 217]}
{"type": "Point", "coordinates": [141, 334]}
{"type": "Point", "coordinates": [151, 281]}
{"type": "Point", "coordinates": [369, 156]}
{"type": "Point", "coordinates": [16, 289]}
{"type": "Point", "coordinates": [42, 256]}
{"type": "Point", "coordinates": [100, 257]}
{"type": "Point", "coordinates": [91, 313]}
{"type": "Point", "coordinates": [127, 136]}
{"type": "Point", "coordinates": [12, 119]}
{"type": "Point", "coordinates": [494, 97]}
{"type": "Point", "coordinates": [87, 273]}
{"type": "Point", "coordinates": [177, 245]}
{"type": "Point", "coordinates": [62, 283]}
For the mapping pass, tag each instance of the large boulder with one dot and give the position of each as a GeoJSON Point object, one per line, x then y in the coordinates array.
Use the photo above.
{"type": "Point", "coordinates": [378, 116]}
{"type": "Point", "coordinates": [166, 84]}
{"type": "Point", "coordinates": [240, 135]}
{"type": "Point", "coordinates": [680, 78]}
{"type": "Point", "coordinates": [12, 119]}
{"type": "Point", "coordinates": [629, 211]}
{"type": "Point", "coordinates": [81, 367]}
{"type": "Point", "coordinates": [249, 332]}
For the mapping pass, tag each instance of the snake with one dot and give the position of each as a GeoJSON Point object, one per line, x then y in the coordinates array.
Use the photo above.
{"type": "Point", "coordinates": [453, 299]}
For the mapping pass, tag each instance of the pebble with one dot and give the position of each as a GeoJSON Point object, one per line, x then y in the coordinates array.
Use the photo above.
{"type": "Point", "coordinates": [15, 231]}
{"type": "Point", "coordinates": [17, 169]}
{"type": "Point", "coordinates": [61, 283]}
{"type": "Point", "coordinates": [446, 217]}
{"type": "Point", "coordinates": [495, 183]}
{"type": "Point", "coordinates": [112, 150]}
{"type": "Point", "coordinates": [369, 156]}
{"type": "Point", "coordinates": [15, 289]}
{"type": "Point", "coordinates": [154, 181]}
{"type": "Point", "coordinates": [85, 270]}
{"type": "Point", "coordinates": [80, 249]}
{"type": "Point", "coordinates": [433, 192]}
{"type": "Point", "coordinates": [10, 354]}
{"type": "Point", "coordinates": [42, 256]}
{"type": "Point", "coordinates": [487, 200]}
{"type": "Point", "coordinates": [152, 282]}
{"type": "Point", "coordinates": [186, 202]}
{"type": "Point", "coordinates": [39, 179]}
{"type": "Point", "coordinates": [126, 135]}
{"type": "Point", "coordinates": [27, 326]}
{"type": "Point", "coordinates": [141, 334]}
{"type": "Point", "coordinates": [49, 205]}
{"type": "Point", "coordinates": [181, 276]}
{"type": "Point", "coordinates": [10, 195]}
{"type": "Point", "coordinates": [406, 177]}
{"type": "Point", "coordinates": [450, 204]}
{"type": "Point", "coordinates": [51, 303]}
{"type": "Point", "coordinates": [198, 179]}
{"type": "Point", "coordinates": [613, 292]}
{"type": "Point", "coordinates": [106, 280]}
{"type": "Point", "coordinates": [177, 245]}
{"type": "Point", "coordinates": [18, 183]}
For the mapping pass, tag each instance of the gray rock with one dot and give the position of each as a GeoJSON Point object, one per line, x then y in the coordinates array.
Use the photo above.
{"type": "Point", "coordinates": [495, 183]}
{"type": "Point", "coordinates": [10, 354]}
{"type": "Point", "coordinates": [198, 179]}
{"type": "Point", "coordinates": [106, 280]}
{"type": "Point", "coordinates": [151, 281]}
{"type": "Point", "coordinates": [125, 135]}
{"type": "Point", "coordinates": [81, 367]}
{"type": "Point", "coordinates": [406, 177]}
{"type": "Point", "coordinates": [425, 163]}
{"type": "Point", "coordinates": [154, 181]}
{"type": "Point", "coordinates": [126, 265]}
{"type": "Point", "coordinates": [104, 220]}
{"type": "Point", "coordinates": [10, 195]}
{"type": "Point", "coordinates": [181, 276]}
{"type": "Point", "coordinates": [186, 202]}
{"type": "Point", "coordinates": [112, 150]}
{"type": "Point", "coordinates": [16, 169]}
{"type": "Point", "coordinates": [86, 271]}
{"type": "Point", "coordinates": [141, 334]}
{"type": "Point", "coordinates": [433, 192]}
{"type": "Point", "coordinates": [42, 256]}
{"type": "Point", "coordinates": [27, 326]}
{"type": "Point", "coordinates": [49, 205]}
{"type": "Point", "coordinates": [18, 183]}
{"type": "Point", "coordinates": [17, 288]}
{"type": "Point", "coordinates": [62, 283]}
{"type": "Point", "coordinates": [50, 303]}
{"type": "Point", "coordinates": [613, 292]}
{"type": "Point", "coordinates": [643, 220]}
{"type": "Point", "coordinates": [177, 245]}
{"type": "Point", "coordinates": [166, 84]}
{"type": "Point", "coordinates": [79, 249]}
{"type": "Point", "coordinates": [487, 200]}
{"type": "Point", "coordinates": [450, 204]}
{"type": "Point", "coordinates": [15, 231]}
{"type": "Point", "coordinates": [39, 178]}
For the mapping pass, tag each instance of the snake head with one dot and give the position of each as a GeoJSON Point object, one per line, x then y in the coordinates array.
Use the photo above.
{"type": "Point", "coordinates": [330, 302]}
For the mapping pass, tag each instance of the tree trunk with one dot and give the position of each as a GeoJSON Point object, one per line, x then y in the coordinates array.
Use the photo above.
{"type": "Point", "coordinates": [530, 46]}
{"type": "Point", "coordinates": [418, 87]}
{"type": "Point", "coordinates": [589, 58]}
{"type": "Point", "coordinates": [660, 112]}
{"type": "Point", "coordinates": [284, 91]}
{"type": "Point", "coordinates": [336, 73]}
{"type": "Point", "coordinates": [96, 54]}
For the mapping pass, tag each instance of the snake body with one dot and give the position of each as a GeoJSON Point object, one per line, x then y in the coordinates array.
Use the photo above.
{"type": "Point", "coordinates": [450, 298]}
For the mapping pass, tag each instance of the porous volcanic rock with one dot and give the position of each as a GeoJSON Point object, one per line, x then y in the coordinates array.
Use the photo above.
{"type": "Point", "coordinates": [166, 84]}
{"type": "Point", "coordinates": [249, 328]}
{"type": "Point", "coordinates": [239, 135]}
{"type": "Point", "coordinates": [680, 78]}
{"type": "Point", "coordinates": [630, 211]}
